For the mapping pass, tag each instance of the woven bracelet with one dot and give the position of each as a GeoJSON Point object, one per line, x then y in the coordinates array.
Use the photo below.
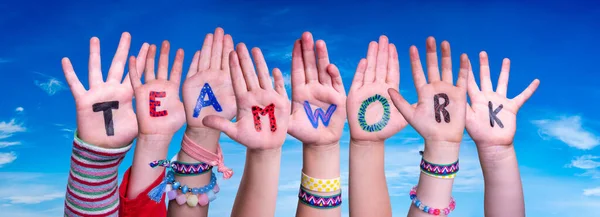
{"type": "Point", "coordinates": [183, 169]}
{"type": "Point", "coordinates": [317, 201]}
{"type": "Point", "coordinates": [439, 170]}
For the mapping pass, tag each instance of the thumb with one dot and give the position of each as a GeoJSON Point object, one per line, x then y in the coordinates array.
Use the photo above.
{"type": "Point", "coordinates": [401, 104]}
{"type": "Point", "coordinates": [221, 124]}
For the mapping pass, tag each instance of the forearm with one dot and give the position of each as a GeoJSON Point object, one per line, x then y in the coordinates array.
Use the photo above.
{"type": "Point", "coordinates": [322, 162]}
{"type": "Point", "coordinates": [368, 191]}
{"type": "Point", "coordinates": [257, 194]}
{"type": "Point", "coordinates": [92, 184]}
{"type": "Point", "coordinates": [208, 139]}
{"type": "Point", "coordinates": [148, 148]}
{"type": "Point", "coordinates": [432, 191]}
{"type": "Point", "coordinates": [503, 188]}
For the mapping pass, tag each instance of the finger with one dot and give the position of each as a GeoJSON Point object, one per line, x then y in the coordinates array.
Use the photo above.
{"type": "Point", "coordinates": [177, 68]}
{"type": "Point", "coordinates": [463, 74]}
{"type": "Point", "coordinates": [484, 72]}
{"type": "Point", "coordinates": [237, 77]}
{"type": "Point", "coordinates": [134, 76]}
{"type": "Point", "coordinates": [503, 79]}
{"type": "Point", "coordinates": [94, 67]}
{"type": "Point", "coordinates": [75, 85]}
{"type": "Point", "coordinates": [401, 104]}
{"type": "Point", "coordinates": [115, 73]}
{"type": "Point", "coordinates": [298, 76]}
{"type": "Point", "coordinates": [382, 59]}
{"type": "Point", "coordinates": [336, 78]}
{"type": "Point", "coordinates": [247, 67]}
{"type": "Point", "coordinates": [322, 63]}
{"type": "Point", "coordinates": [220, 124]}
{"type": "Point", "coordinates": [194, 65]}
{"type": "Point", "coordinates": [205, 53]}
{"type": "Point", "coordinates": [149, 70]}
{"type": "Point", "coordinates": [447, 64]}
{"type": "Point", "coordinates": [359, 75]}
{"type": "Point", "coordinates": [393, 69]}
{"type": "Point", "coordinates": [524, 96]}
{"type": "Point", "coordinates": [417, 68]}
{"type": "Point", "coordinates": [308, 57]}
{"type": "Point", "coordinates": [371, 62]}
{"type": "Point", "coordinates": [163, 61]}
{"type": "Point", "coordinates": [433, 72]}
{"type": "Point", "coordinates": [227, 48]}
{"type": "Point", "coordinates": [472, 87]}
{"type": "Point", "coordinates": [217, 49]}
{"type": "Point", "coordinates": [140, 61]}
{"type": "Point", "coordinates": [279, 82]}
{"type": "Point", "coordinates": [262, 70]}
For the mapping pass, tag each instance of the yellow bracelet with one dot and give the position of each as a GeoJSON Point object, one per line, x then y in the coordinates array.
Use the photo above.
{"type": "Point", "coordinates": [451, 176]}
{"type": "Point", "coordinates": [320, 185]}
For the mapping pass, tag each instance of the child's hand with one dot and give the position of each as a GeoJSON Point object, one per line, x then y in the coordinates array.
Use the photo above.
{"type": "Point", "coordinates": [440, 113]}
{"type": "Point", "coordinates": [159, 110]}
{"type": "Point", "coordinates": [262, 112]}
{"type": "Point", "coordinates": [491, 118]}
{"type": "Point", "coordinates": [104, 113]}
{"type": "Point", "coordinates": [207, 89]}
{"type": "Point", "coordinates": [317, 93]}
{"type": "Point", "coordinates": [371, 116]}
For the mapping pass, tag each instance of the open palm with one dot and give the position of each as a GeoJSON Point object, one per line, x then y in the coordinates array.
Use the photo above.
{"type": "Point", "coordinates": [94, 126]}
{"type": "Point", "coordinates": [210, 66]}
{"type": "Point", "coordinates": [487, 122]}
{"type": "Point", "coordinates": [316, 88]}
{"type": "Point", "coordinates": [159, 110]}
{"type": "Point", "coordinates": [440, 112]}
{"type": "Point", "coordinates": [370, 114]}
{"type": "Point", "coordinates": [262, 111]}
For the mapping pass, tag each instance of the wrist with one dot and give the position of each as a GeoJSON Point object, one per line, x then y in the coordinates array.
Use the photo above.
{"type": "Point", "coordinates": [365, 143]}
{"type": "Point", "coordinates": [490, 155]}
{"type": "Point", "coordinates": [441, 152]}
{"type": "Point", "coordinates": [322, 161]}
{"type": "Point", "coordinates": [206, 137]}
{"type": "Point", "coordinates": [264, 153]}
{"type": "Point", "coordinates": [154, 142]}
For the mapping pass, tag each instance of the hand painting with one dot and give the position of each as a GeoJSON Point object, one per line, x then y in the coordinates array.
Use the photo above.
{"type": "Point", "coordinates": [104, 112]}
{"type": "Point", "coordinates": [262, 111]}
{"type": "Point", "coordinates": [159, 110]}
{"type": "Point", "coordinates": [318, 95]}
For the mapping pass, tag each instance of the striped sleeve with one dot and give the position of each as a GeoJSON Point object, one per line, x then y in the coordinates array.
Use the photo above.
{"type": "Point", "coordinates": [92, 186]}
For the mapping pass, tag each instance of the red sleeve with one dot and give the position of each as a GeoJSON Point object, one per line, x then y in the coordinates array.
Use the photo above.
{"type": "Point", "coordinates": [141, 205]}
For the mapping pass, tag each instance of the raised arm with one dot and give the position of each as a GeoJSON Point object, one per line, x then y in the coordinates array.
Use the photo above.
{"type": "Point", "coordinates": [207, 90]}
{"type": "Point", "coordinates": [372, 119]}
{"type": "Point", "coordinates": [261, 125]}
{"type": "Point", "coordinates": [317, 92]}
{"type": "Point", "coordinates": [159, 113]}
{"type": "Point", "coordinates": [440, 119]}
{"type": "Point", "coordinates": [106, 127]}
{"type": "Point", "coordinates": [491, 123]}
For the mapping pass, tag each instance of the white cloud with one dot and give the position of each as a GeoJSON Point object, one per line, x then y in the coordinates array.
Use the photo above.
{"type": "Point", "coordinates": [6, 158]}
{"type": "Point", "coordinates": [7, 129]}
{"type": "Point", "coordinates": [51, 86]}
{"type": "Point", "coordinates": [35, 199]}
{"type": "Point", "coordinates": [19, 109]}
{"type": "Point", "coordinates": [592, 192]}
{"type": "Point", "coordinates": [6, 144]}
{"type": "Point", "coordinates": [585, 162]}
{"type": "Point", "coordinates": [568, 130]}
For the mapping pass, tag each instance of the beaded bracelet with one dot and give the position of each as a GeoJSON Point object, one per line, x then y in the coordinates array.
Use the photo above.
{"type": "Point", "coordinates": [198, 196]}
{"type": "Point", "coordinates": [320, 185]}
{"type": "Point", "coordinates": [426, 209]}
{"type": "Point", "coordinates": [317, 201]}
{"type": "Point", "coordinates": [183, 169]}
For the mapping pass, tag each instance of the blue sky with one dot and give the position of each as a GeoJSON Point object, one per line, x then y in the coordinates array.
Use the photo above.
{"type": "Point", "coordinates": [558, 129]}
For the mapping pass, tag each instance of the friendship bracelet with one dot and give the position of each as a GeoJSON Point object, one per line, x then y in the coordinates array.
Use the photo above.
{"type": "Point", "coordinates": [439, 170]}
{"type": "Point", "coordinates": [183, 169]}
{"type": "Point", "coordinates": [198, 196]}
{"type": "Point", "coordinates": [201, 154]}
{"type": "Point", "coordinates": [317, 201]}
{"type": "Point", "coordinates": [320, 185]}
{"type": "Point", "coordinates": [427, 209]}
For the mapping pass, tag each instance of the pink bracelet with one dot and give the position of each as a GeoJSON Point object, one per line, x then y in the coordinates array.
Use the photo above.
{"type": "Point", "coordinates": [430, 210]}
{"type": "Point", "coordinates": [201, 154]}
